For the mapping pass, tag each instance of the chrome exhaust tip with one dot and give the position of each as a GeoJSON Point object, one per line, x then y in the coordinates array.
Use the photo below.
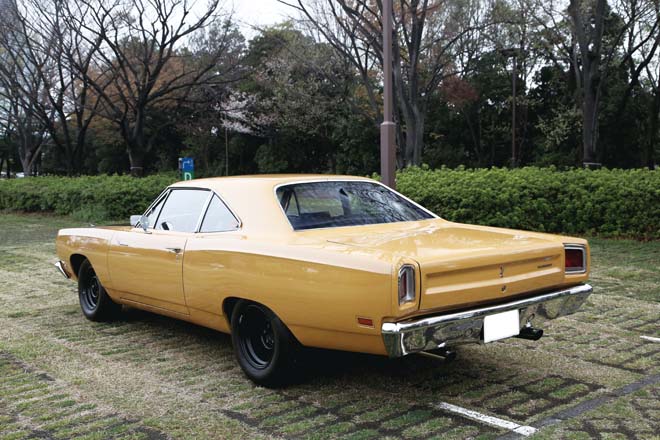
{"type": "Point", "coordinates": [530, 333]}
{"type": "Point", "coordinates": [439, 354]}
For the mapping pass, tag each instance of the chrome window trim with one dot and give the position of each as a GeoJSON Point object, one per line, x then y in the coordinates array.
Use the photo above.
{"type": "Point", "coordinates": [174, 188]}
{"type": "Point", "coordinates": [202, 213]}
{"type": "Point", "coordinates": [575, 246]}
{"type": "Point", "coordinates": [164, 194]}
{"type": "Point", "coordinates": [169, 189]}
{"type": "Point", "coordinates": [296, 182]}
{"type": "Point", "coordinates": [239, 224]}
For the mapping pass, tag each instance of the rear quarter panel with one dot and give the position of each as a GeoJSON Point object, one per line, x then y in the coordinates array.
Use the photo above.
{"type": "Point", "coordinates": [318, 292]}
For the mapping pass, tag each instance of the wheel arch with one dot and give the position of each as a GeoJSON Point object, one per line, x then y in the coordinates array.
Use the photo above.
{"type": "Point", "coordinates": [76, 260]}
{"type": "Point", "coordinates": [229, 304]}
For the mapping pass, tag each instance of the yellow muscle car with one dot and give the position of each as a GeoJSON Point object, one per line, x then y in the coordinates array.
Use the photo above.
{"type": "Point", "coordinates": [334, 262]}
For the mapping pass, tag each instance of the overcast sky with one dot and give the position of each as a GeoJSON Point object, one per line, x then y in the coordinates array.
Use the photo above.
{"type": "Point", "coordinates": [260, 13]}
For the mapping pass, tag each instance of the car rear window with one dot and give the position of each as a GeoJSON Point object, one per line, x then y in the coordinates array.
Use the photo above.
{"type": "Point", "coordinates": [328, 204]}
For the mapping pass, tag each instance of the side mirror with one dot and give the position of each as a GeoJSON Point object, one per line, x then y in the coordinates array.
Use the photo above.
{"type": "Point", "coordinates": [144, 223]}
{"type": "Point", "coordinates": [135, 219]}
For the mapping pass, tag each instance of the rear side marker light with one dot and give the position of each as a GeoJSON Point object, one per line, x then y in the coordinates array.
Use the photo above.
{"type": "Point", "coordinates": [368, 322]}
{"type": "Point", "coordinates": [575, 258]}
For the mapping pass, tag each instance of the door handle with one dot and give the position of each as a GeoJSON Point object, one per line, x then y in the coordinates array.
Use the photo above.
{"type": "Point", "coordinates": [174, 250]}
{"type": "Point", "coordinates": [122, 244]}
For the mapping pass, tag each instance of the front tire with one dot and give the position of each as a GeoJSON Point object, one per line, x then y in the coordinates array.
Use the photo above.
{"type": "Point", "coordinates": [263, 346]}
{"type": "Point", "coordinates": [95, 303]}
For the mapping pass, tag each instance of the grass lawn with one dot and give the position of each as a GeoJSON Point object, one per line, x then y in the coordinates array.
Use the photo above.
{"type": "Point", "coordinates": [147, 376]}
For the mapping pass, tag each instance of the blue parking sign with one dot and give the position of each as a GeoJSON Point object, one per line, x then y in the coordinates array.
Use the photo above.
{"type": "Point", "coordinates": [187, 166]}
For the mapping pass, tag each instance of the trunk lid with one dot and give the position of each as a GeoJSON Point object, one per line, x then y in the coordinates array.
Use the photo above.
{"type": "Point", "coordinates": [464, 265]}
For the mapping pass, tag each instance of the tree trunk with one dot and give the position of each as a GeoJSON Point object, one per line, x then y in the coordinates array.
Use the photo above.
{"type": "Point", "coordinates": [590, 109]}
{"type": "Point", "coordinates": [589, 39]}
{"type": "Point", "coordinates": [589, 124]}
{"type": "Point", "coordinates": [413, 117]}
{"type": "Point", "coordinates": [135, 139]}
{"type": "Point", "coordinates": [136, 159]}
{"type": "Point", "coordinates": [419, 135]}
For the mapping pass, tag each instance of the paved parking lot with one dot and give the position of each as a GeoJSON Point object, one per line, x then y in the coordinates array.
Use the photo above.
{"type": "Point", "coordinates": [595, 374]}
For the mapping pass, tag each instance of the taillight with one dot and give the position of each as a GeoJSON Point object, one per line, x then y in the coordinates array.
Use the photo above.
{"type": "Point", "coordinates": [576, 259]}
{"type": "Point", "coordinates": [406, 284]}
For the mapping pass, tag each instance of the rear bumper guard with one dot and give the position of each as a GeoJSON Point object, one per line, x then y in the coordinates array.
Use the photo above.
{"type": "Point", "coordinates": [61, 266]}
{"type": "Point", "coordinates": [402, 338]}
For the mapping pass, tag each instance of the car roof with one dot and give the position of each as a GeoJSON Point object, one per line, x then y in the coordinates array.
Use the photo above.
{"type": "Point", "coordinates": [265, 179]}
{"type": "Point", "coordinates": [252, 198]}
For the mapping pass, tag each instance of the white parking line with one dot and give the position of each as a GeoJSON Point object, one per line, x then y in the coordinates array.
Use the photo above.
{"type": "Point", "coordinates": [488, 420]}
{"type": "Point", "coordinates": [650, 338]}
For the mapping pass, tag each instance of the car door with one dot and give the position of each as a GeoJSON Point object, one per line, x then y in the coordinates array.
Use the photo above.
{"type": "Point", "coordinates": [147, 267]}
{"type": "Point", "coordinates": [210, 261]}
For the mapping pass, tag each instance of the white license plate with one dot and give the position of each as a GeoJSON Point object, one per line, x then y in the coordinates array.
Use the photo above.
{"type": "Point", "coordinates": [501, 325]}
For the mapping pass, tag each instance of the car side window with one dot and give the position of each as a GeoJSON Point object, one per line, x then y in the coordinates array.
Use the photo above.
{"type": "Point", "coordinates": [182, 210]}
{"type": "Point", "coordinates": [218, 217]}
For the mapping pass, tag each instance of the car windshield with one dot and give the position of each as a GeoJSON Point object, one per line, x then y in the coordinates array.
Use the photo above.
{"type": "Point", "coordinates": [344, 203]}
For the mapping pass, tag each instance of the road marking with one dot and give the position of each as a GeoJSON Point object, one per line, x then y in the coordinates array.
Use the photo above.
{"type": "Point", "coordinates": [650, 338]}
{"type": "Point", "coordinates": [488, 420]}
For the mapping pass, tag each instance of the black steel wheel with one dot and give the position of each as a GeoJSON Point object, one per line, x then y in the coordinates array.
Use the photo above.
{"type": "Point", "coordinates": [95, 303]}
{"type": "Point", "coordinates": [263, 345]}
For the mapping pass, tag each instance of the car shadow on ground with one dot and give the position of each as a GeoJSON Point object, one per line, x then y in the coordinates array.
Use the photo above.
{"type": "Point", "coordinates": [314, 364]}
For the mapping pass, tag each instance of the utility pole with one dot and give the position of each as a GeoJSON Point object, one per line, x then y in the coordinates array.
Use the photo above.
{"type": "Point", "coordinates": [513, 111]}
{"type": "Point", "coordinates": [387, 128]}
{"type": "Point", "coordinates": [513, 53]}
{"type": "Point", "coordinates": [226, 151]}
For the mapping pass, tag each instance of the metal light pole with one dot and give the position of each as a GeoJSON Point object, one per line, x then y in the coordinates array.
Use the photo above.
{"type": "Point", "coordinates": [513, 53]}
{"type": "Point", "coordinates": [387, 128]}
{"type": "Point", "coordinates": [226, 151]}
{"type": "Point", "coordinates": [513, 111]}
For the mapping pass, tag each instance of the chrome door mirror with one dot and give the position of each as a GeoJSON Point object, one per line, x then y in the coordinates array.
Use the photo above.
{"type": "Point", "coordinates": [144, 223]}
{"type": "Point", "coordinates": [135, 219]}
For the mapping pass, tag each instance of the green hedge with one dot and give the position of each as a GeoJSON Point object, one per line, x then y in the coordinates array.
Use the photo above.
{"type": "Point", "coordinates": [623, 203]}
{"type": "Point", "coordinates": [89, 198]}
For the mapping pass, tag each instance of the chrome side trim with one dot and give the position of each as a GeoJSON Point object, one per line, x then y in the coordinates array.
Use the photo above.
{"type": "Point", "coordinates": [61, 266]}
{"type": "Point", "coordinates": [402, 338]}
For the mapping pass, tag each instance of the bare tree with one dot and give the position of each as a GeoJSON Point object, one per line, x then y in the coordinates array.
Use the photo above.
{"type": "Point", "coordinates": [431, 40]}
{"type": "Point", "coordinates": [142, 63]}
{"type": "Point", "coordinates": [59, 57]}
{"type": "Point", "coordinates": [21, 93]}
{"type": "Point", "coordinates": [576, 37]}
{"type": "Point", "coordinates": [641, 58]}
{"type": "Point", "coordinates": [588, 22]}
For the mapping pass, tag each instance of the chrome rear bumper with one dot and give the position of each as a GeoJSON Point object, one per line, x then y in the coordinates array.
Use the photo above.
{"type": "Point", "coordinates": [402, 338]}
{"type": "Point", "coordinates": [61, 266]}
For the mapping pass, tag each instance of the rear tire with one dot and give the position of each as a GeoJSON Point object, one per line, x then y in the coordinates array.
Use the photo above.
{"type": "Point", "coordinates": [95, 303]}
{"type": "Point", "coordinates": [263, 346]}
